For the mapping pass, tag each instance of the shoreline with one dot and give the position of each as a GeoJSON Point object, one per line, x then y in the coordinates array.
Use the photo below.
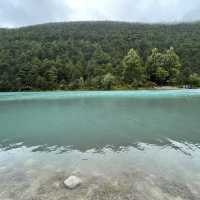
{"type": "Point", "coordinates": [161, 88]}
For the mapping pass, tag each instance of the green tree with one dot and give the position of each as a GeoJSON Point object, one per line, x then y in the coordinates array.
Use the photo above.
{"type": "Point", "coordinates": [108, 81]}
{"type": "Point", "coordinates": [133, 71]}
{"type": "Point", "coordinates": [95, 82]}
{"type": "Point", "coordinates": [172, 66]}
{"type": "Point", "coordinates": [41, 83]}
{"type": "Point", "coordinates": [194, 80]}
{"type": "Point", "coordinates": [4, 82]}
{"type": "Point", "coordinates": [163, 68]}
{"type": "Point", "coordinates": [99, 63]}
{"type": "Point", "coordinates": [51, 77]}
{"type": "Point", "coordinates": [161, 75]}
{"type": "Point", "coordinates": [155, 67]}
{"type": "Point", "coordinates": [23, 78]}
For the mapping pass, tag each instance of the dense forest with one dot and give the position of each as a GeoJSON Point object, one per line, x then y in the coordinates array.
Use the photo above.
{"type": "Point", "coordinates": [99, 55]}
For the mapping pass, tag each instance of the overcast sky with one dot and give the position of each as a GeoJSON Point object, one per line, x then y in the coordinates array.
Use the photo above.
{"type": "Point", "coordinates": [15, 13]}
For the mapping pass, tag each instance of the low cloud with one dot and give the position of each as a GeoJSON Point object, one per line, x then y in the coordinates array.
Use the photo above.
{"type": "Point", "coordinates": [27, 12]}
{"type": "Point", "coordinates": [14, 13]}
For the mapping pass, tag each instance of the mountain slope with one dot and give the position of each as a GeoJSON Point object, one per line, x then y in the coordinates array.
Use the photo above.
{"type": "Point", "coordinates": [74, 44]}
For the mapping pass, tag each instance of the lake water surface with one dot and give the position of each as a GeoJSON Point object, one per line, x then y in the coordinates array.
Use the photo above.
{"type": "Point", "coordinates": [137, 145]}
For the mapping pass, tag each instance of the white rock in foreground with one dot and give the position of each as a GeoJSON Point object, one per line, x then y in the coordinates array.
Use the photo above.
{"type": "Point", "coordinates": [72, 182]}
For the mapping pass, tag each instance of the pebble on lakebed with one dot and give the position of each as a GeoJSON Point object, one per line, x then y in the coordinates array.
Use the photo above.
{"type": "Point", "coordinates": [72, 182]}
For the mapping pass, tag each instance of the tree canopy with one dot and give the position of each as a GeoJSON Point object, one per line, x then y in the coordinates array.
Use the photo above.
{"type": "Point", "coordinates": [133, 71]}
{"type": "Point", "coordinates": [99, 55]}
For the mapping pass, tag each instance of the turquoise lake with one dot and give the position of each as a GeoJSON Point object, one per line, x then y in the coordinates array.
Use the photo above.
{"type": "Point", "coordinates": [124, 145]}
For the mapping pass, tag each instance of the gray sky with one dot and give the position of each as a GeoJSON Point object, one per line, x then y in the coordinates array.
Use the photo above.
{"type": "Point", "coordinates": [14, 13]}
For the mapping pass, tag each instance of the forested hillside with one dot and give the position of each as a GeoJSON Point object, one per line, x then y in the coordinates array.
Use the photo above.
{"type": "Point", "coordinates": [99, 55]}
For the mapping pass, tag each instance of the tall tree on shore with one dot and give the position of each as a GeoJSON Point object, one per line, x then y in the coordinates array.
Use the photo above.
{"type": "Point", "coordinates": [133, 71]}
{"type": "Point", "coordinates": [172, 66]}
{"type": "Point", "coordinates": [155, 67]}
{"type": "Point", "coordinates": [163, 68]}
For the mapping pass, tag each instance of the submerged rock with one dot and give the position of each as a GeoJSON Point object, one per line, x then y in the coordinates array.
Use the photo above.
{"type": "Point", "coordinates": [56, 185]}
{"type": "Point", "coordinates": [72, 182]}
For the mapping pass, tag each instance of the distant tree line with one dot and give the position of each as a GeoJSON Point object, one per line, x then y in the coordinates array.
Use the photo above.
{"type": "Point", "coordinates": [99, 55]}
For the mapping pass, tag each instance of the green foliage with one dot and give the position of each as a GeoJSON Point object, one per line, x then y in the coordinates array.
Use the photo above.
{"type": "Point", "coordinates": [93, 55]}
{"type": "Point", "coordinates": [172, 66]}
{"type": "Point", "coordinates": [133, 72]}
{"type": "Point", "coordinates": [108, 81]}
{"type": "Point", "coordinates": [163, 68]}
{"type": "Point", "coordinates": [161, 75]}
{"type": "Point", "coordinates": [194, 80]}
{"type": "Point", "coordinates": [154, 62]}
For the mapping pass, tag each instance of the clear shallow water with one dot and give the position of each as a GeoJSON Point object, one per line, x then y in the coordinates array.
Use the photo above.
{"type": "Point", "coordinates": [125, 145]}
